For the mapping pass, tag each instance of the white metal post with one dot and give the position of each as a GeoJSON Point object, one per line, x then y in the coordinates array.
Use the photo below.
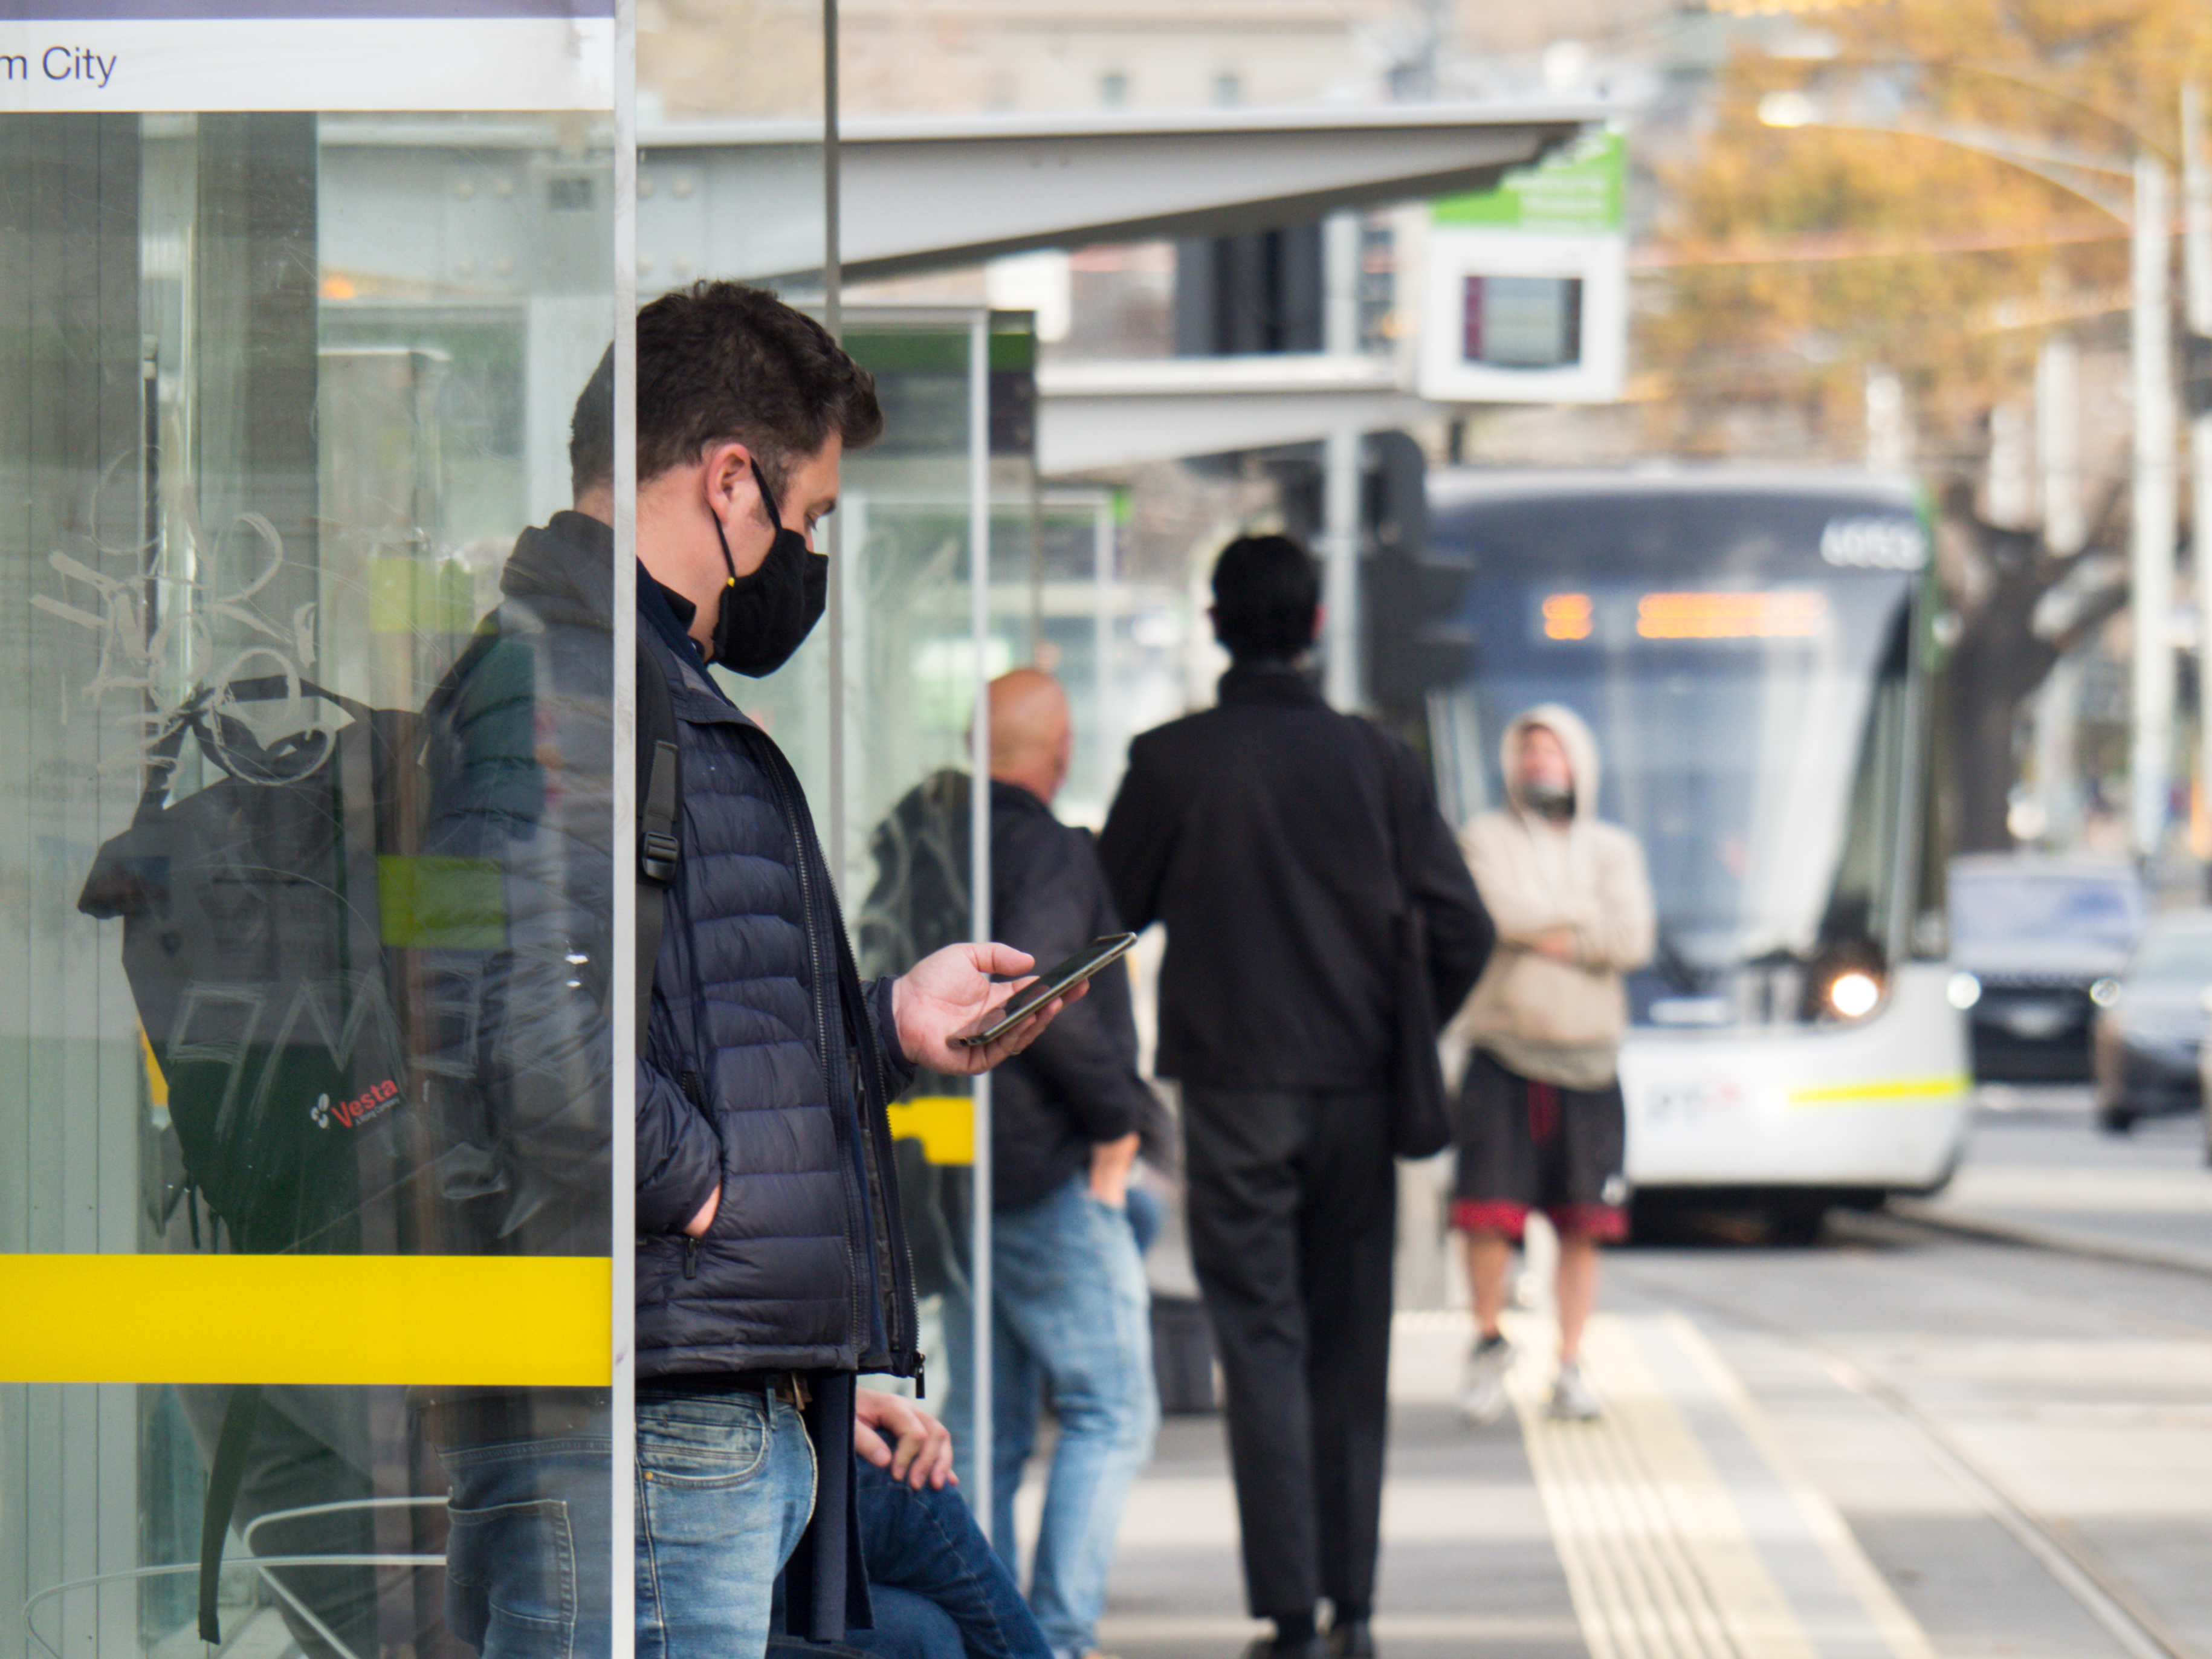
{"type": "Point", "coordinates": [978, 1381]}
{"type": "Point", "coordinates": [1340, 236]}
{"type": "Point", "coordinates": [1103, 621]}
{"type": "Point", "coordinates": [842, 716]}
{"type": "Point", "coordinates": [622, 1218]}
{"type": "Point", "coordinates": [2150, 555]}
{"type": "Point", "coordinates": [2058, 457]}
{"type": "Point", "coordinates": [1888, 428]}
{"type": "Point", "coordinates": [1340, 567]}
{"type": "Point", "coordinates": [2197, 280]}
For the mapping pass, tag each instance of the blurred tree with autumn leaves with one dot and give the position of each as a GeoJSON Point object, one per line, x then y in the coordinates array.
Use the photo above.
{"type": "Point", "coordinates": [1799, 256]}
{"type": "Point", "coordinates": [1840, 215]}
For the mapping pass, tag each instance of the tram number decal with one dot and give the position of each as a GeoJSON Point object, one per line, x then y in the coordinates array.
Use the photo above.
{"type": "Point", "coordinates": [1692, 1102]}
{"type": "Point", "coordinates": [1875, 544]}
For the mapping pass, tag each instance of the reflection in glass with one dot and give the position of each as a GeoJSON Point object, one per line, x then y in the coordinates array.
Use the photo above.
{"type": "Point", "coordinates": [266, 443]}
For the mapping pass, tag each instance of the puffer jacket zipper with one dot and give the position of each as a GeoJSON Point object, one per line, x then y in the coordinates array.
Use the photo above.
{"type": "Point", "coordinates": [901, 1321]}
{"type": "Point", "coordinates": [787, 790]}
{"type": "Point", "coordinates": [895, 1256]}
{"type": "Point", "coordinates": [895, 1253]}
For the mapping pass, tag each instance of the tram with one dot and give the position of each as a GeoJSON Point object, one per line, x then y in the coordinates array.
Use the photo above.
{"type": "Point", "coordinates": [1751, 648]}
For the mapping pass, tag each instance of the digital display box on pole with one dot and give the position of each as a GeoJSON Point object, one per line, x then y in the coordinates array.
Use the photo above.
{"type": "Point", "coordinates": [301, 295]}
{"type": "Point", "coordinates": [1525, 287]}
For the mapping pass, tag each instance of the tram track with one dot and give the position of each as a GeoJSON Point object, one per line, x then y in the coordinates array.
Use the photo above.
{"type": "Point", "coordinates": [2104, 1593]}
{"type": "Point", "coordinates": [1984, 1230]}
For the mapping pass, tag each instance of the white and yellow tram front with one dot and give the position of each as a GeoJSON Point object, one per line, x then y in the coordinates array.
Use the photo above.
{"type": "Point", "coordinates": [1750, 651]}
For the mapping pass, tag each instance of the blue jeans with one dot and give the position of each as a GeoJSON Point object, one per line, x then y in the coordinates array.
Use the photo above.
{"type": "Point", "coordinates": [529, 1549]}
{"type": "Point", "coordinates": [725, 1487]}
{"type": "Point", "coordinates": [926, 1545]}
{"type": "Point", "coordinates": [1146, 1217]}
{"type": "Point", "coordinates": [907, 1626]}
{"type": "Point", "coordinates": [1071, 1320]}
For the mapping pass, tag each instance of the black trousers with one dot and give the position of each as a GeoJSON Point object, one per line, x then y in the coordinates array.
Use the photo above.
{"type": "Point", "coordinates": [1293, 1218]}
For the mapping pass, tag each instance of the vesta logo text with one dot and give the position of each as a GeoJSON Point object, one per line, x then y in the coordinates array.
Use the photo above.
{"type": "Point", "coordinates": [372, 1102]}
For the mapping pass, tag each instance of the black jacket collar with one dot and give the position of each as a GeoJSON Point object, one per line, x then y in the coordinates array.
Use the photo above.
{"type": "Point", "coordinates": [1012, 798]}
{"type": "Point", "coordinates": [565, 572]}
{"type": "Point", "coordinates": [1270, 682]}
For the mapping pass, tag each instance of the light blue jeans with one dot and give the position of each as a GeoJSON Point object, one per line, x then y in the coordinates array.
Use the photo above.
{"type": "Point", "coordinates": [725, 1487]}
{"type": "Point", "coordinates": [527, 1556]}
{"type": "Point", "coordinates": [1072, 1322]}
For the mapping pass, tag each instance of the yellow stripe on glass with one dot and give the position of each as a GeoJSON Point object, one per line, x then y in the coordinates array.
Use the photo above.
{"type": "Point", "coordinates": [1895, 1091]}
{"type": "Point", "coordinates": [452, 1320]}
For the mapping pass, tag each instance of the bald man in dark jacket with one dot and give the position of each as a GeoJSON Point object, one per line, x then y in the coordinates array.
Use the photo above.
{"type": "Point", "coordinates": [1071, 1313]}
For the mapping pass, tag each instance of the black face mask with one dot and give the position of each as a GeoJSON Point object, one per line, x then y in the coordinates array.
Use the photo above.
{"type": "Point", "coordinates": [766, 616]}
{"type": "Point", "coordinates": [1549, 802]}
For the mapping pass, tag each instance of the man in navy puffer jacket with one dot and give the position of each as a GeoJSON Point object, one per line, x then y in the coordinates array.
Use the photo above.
{"type": "Point", "coordinates": [771, 1266]}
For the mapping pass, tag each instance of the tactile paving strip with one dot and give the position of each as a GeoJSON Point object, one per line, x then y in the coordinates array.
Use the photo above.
{"type": "Point", "coordinates": [1657, 1553]}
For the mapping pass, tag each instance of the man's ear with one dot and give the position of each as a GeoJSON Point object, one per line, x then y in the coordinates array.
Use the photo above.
{"type": "Point", "coordinates": [726, 474]}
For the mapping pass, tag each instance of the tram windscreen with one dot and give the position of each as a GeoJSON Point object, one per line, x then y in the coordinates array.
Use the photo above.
{"type": "Point", "coordinates": [1743, 662]}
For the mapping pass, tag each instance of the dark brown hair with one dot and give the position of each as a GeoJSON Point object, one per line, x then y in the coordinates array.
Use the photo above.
{"type": "Point", "coordinates": [719, 362]}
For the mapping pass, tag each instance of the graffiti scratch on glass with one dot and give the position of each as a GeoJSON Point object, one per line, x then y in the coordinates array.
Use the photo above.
{"type": "Point", "coordinates": [174, 662]}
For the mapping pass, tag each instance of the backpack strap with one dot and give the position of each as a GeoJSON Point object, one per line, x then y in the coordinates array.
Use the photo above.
{"type": "Point", "coordinates": [225, 1475]}
{"type": "Point", "coordinates": [660, 811]}
{"type": "Point", "coordinates": [269, 688]}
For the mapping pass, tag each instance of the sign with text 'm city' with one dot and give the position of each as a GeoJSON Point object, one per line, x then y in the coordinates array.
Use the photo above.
{"type": "Point", "coordinates": [1525, 287]}
{"type": "Point", "coordinates": [145, 56]}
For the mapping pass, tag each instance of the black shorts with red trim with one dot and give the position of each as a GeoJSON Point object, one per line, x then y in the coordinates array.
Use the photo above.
{"type": "Point", "coordinates": [1529, 1146]}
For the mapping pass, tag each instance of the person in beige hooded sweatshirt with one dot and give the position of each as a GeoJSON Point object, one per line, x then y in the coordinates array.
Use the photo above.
{"type": "Point", "coordinates": [1541, 1123]}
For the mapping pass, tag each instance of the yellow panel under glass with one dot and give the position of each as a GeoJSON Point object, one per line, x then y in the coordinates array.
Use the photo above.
{"type": "Point", "coordinates": [944, 1124]}
{"type": "Point", "coordinates": [453, 1320]}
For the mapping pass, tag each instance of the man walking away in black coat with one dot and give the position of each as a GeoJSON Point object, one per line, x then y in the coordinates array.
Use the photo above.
{"type": "Point", "coordinates": [1259, 833]}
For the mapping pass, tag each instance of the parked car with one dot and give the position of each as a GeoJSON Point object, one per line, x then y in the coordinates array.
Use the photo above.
{"type": "Point", "coordinates": [2030, 935]}
{"type": "Point", "coordinates": [2152, 1022]}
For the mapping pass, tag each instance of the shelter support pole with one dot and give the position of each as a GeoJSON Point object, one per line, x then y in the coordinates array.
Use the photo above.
{"type": "Point", "coordinates": [2150, 554]}
{"type": "Point", "coordinates": [2197, 278]}
{"type": "Point", "coordinates": [2058, 700]}
{"type": "Point", "coordinates": [1343, 683]}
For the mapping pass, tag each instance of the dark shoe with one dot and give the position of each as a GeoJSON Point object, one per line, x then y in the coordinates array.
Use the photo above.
{"type": "Point", "coordinates": [1266, 1647]}
{"type": "Point", "coordinates": [1353, 1639]}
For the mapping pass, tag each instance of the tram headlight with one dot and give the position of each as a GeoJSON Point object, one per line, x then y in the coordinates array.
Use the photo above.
{"type": "Point", "coordinates": [1964, 990]}
{"type": "Point", "coordinates": [1854, 994]}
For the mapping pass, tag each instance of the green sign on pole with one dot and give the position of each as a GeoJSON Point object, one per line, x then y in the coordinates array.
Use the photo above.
{"type": "Point", "coordinates": [1579, 189]}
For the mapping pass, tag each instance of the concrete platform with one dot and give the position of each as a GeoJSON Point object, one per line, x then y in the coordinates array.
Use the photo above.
{"type": "Point", "coordinates": [1676, 1526]}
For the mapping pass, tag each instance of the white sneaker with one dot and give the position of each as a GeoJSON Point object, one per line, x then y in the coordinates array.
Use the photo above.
{"type": "Point", "coordinates": [1482, 1388]}
{"type": "Point", "coordinates": [1571, 1399]}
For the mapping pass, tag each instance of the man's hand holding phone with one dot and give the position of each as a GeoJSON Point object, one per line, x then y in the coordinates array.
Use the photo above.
{"type": "Point", "coordinates": [953, 992]}
{"type": "Point", "coordinates": [946, 995]}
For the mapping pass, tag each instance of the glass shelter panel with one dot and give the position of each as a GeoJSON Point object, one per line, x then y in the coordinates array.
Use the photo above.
{"type": "Point", "coordinates": [285, 834]}
{"type": "Point", "coordinates": [892, 747]}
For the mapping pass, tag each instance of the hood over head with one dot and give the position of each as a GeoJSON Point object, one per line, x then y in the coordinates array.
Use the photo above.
{"type": "Point", "coordinates": [565, 571]}
{"type": "Point", "coordinates": [1574, 736]}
